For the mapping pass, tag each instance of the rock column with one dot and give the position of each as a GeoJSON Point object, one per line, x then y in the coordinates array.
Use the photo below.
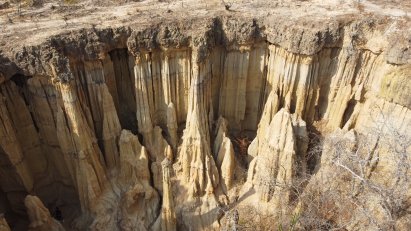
{"type": "Point", "coordinates": [168, 216]}
{"type": "Point", "coordinates": [39, 216]}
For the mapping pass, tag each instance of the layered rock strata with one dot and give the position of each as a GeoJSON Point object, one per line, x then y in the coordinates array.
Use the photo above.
{"type": "Point", "coordinates": [132, 115]}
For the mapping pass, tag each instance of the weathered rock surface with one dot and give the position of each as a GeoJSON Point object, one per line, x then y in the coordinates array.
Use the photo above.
{"type": "Point", "coordinates": [224, 150]}
{"type": "Point", "coordinates": [104, 120]}
{"type": "Point", "coordinates": [167, 219]}
{"type": "Point", "coordinates": [39, 216]}
{"type": "Point", "coordinates": [274, 167]}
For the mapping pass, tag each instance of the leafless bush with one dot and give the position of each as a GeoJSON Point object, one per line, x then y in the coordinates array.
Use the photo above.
{"type": "Point", "coordinates": [371, 179]}
{"type": "Point", "coordinates": [363, 183]}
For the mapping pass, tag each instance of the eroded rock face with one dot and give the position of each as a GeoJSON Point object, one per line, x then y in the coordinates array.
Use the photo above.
{"type": "Point", "coordinates": [224, 150]}
{"type": "Point", "coordinates": [39, 216]}
{"type": "Point", "coordinates": [273, 170]}
{"type": "Point", "coordinates": [167, 220]}
{"type": "Point", "coordinates": [138, 128]}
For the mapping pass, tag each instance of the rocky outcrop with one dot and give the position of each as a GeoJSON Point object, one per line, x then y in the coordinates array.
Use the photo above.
{"type": "Point", "coordinates": [270, 108]}
{"type": "Point", "coordinates": [275, 165]}
{"type": "Point", "coordinates": [131, 203]}
{"type": "Point", "coordinates": [15, 174]}
{"type": "Point", "coordinates": [134, 162]}
{"type": "Point", "coordinates": [198, 166]}
{"type": "Point", "coordinates": [107, 120]}
{"type": "Point", "coordinates": [77, 140]}
{"type": "Point", "coordinates": [39, 216]}
{"type": "Point", "coordinates": [168, 216]}
{"type": "Point", "coordinates": [172, 126]}
{"type": "Point", "coordinates": [242, 78]}
{"type": "Point", "coordinates": [199, 175]}
{"type": "Point", "coordinates": [140, 201]}
{"type": "Point", "coordinates": [224, 150]}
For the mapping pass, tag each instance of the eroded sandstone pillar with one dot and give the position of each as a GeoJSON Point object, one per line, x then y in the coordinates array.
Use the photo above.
{"type": "Point", "coordinates": [199, 169]}
{"type": "Point", "coordinates": [39, 216]}
{"type": "Point", "coordinates": [272, 171]}
{"type": "Point", "coordinates": [224, 151]}
{"type": "Point", "coordinates": [140, 202]}
{"type": "Point", "coordinates": [78, 142]}
{"type": "Point", "coordinates": [172, 125]}
{"type": "Point", "coordinates": [168, 216]}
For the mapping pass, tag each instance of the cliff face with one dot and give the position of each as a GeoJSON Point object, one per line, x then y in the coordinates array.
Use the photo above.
{"type": "Point", "coordinates": [141, 127]}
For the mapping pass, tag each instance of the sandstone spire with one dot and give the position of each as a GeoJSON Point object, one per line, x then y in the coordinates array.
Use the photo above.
{"type": "Point", "coordinates": [111, 129]}
{"type": "Point", "coordinates": [39, 216]}
{"type": "Point", "coordinates": [224, 151]}
{"type": "Point", "coordinates": [153, 139]}
{"type": "Point", "coordinates": [140, 202]}
{"type": "Point", "coordinates": [226, 163]}
{"type": "Point", "coordinates": [168, 216]}
{"type": "Point", "coordinates": [199, 169]}
{"type": "Point", "coordinates": [172, 125]}
{"type": "Point", "coordinates": [133, 161]}
{"type": "Point", "coordinates": [270, 108]}
{"type": "Point", "coordinates": [78, 142]}
{"type": "Point", "coordinates": [273, 170]}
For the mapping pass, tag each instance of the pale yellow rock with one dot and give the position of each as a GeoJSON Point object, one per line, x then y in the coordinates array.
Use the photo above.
{"type": "Point", "coordinates": [226, 163]}
{"type": "Point", "coordinates": [350, 82]}
{"type": "Point", "coordinates": [39, 216]}
{"type": "Point", "coordinates": [337, 112]}
{"type": "Point", "coordinates": [43, 100]}
{"type": "Point", "coordinates": [172, 125]}
{"type": "Point", "coordinates": [198, 177]}
{"type": "Point", "coordinates": [220, 133]}
{"type": "Point", "coordinates": [395, 86]}
{"type": "Point", "coordinates": [294, 78]}
{"type": "Point", "coordinates": [301, 145]}
{"type": "Point", "coordinates": [156, 144]}
{"type": "Point", "coordinates": [111, 130]}
{"type": "Point", "coordinates": [386, 124]}
{"type": "Point", "coordinates": [270, 108]}
{"type": "Point", "coordinates": [146, 114]}
{"type": "Point", "coordinates": [241, 85]}
{"type": "Point", "coordinates": [106, 124]}
{"type": "Point", "coordinates": [169, 153]}
{"type": "Point", "coordinates": [167, 77]}
{"type": "Point", "coordinates": [224, 151]}
{"type": "Point", "coordinates": [168, 216]}
{"type": "Point", "coordinates": [200, 173]}
{"type": "Point", "coordinates": [78, 142]}
{"type": "Point", "coordinates": [140, 201]}
{"type": "Point", "coordinates": [275, 164]}
{"type": "Point", "coordinates": [56, 135]}
{"type": "Point", "coordinates": [145, 124]}
{"type": "Point", "coordinates": [233, 89]}
{"type": "Point", "coordinates": [131, 203]}
{"type": "Point", "coordinates": [325, 85]}
{"type": "Point", "coordinates": [133, 161]}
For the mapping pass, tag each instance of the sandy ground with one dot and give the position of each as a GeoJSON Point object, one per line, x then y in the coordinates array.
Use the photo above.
{"type": "Point", "coordinates": [33, 25]}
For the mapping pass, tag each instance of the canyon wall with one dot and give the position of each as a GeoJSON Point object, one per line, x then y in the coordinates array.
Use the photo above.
{"type": "Point", "coordinates": [143, 134]}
